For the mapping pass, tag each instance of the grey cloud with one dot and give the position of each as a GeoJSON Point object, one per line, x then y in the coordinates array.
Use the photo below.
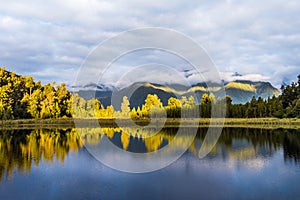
{"type": "Point", "coordinates": [250, 37]}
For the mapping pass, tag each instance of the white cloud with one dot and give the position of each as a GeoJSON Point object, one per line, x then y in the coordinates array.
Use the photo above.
{"type": "Point", "coordinates": [229, 76]}
{"type": "Point", "coordinates": [285, 74]}
{"type": "Point", "coordinates": [260, 39]}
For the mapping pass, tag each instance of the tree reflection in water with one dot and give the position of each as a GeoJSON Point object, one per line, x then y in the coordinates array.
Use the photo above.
{"type": "Point", "coordinates": [20, 149]}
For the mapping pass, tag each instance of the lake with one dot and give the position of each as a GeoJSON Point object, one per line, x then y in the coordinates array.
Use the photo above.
{"type": "Point", "coordinates": [55, 164]}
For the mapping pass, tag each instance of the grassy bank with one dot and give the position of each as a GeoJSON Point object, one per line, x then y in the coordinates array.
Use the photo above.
{"type": "Point", "coordinates": [37, 123]}
{"type": "Point", "coordinates": [229, 122]}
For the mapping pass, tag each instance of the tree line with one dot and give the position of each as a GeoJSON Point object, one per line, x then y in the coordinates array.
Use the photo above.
{"type": "Point", "coordinates": [22, 98]}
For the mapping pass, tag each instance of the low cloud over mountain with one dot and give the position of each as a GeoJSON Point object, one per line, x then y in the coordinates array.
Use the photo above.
{"type": "Point", "coordinates": [241, 91]}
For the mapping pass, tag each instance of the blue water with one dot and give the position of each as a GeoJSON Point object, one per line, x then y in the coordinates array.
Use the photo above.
{"type": "Point", "coordinates": [271, 171]}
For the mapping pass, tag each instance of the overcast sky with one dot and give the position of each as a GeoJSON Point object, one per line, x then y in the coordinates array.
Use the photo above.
{"type": "Point", "coordinates": [51, 39]}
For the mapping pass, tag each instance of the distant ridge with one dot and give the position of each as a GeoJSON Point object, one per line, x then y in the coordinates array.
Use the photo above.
{"type": "Point", "coordinates": [241, 91]}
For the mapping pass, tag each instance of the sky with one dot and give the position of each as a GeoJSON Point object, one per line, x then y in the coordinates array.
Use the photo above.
{"type": "Point", "coordinates": [50, 40]}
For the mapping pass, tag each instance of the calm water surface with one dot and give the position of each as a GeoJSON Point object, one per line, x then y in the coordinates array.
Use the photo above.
{"type": "Point", "coordinates": [245, 164]}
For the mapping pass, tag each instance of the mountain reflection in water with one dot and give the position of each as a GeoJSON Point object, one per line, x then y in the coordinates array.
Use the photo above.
{"type": "Point", "coordinates": [22, 149]}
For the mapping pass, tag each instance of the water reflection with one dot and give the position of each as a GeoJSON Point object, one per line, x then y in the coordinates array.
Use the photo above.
{"type": "Point", "coordinates": [291, 150]}
{"type": "Point", "coordinates": [20, 149]}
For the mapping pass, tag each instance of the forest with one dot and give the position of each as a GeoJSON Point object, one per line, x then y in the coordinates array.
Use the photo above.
{"type": "Point", "coordinates": [23, 98]}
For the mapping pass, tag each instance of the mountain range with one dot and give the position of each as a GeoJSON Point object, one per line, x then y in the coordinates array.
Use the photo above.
{"type": "Point", "coordinates": [240, 91]}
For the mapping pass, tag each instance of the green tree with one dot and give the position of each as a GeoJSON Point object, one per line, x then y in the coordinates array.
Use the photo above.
{"type": "Point", "coordinates": [205, 106]}
{"type": "Point", "coordinates": [92, 108]}
{"type": "Point", "coordinates": [125, 107]}
{"type": "Point", "coordinates": [133, 114]}
{"type": "Point", "coordinates": [290, 99]}
{"type": "Point", "coordinates": [34, 103]}
{"type": "Point", "coordinates": [110, 111]}
{"type": "Point", "coordinates": [173, 108]}
{"type": "Point", "coordinates": [29, 83]}
{"type": "Point", "coordinates": [229, 111]}
{"type": "Point", "coordinates": [139, 112]}
{"type": "Point", "coordinates": [63, 100]}
{"type": "Point", "coordinates": [173, 102]}
{"type": "Point", "coordinates": [49, 108]}
{"type": "Point", "coordinates": [79, 106]}
{"type": "Point", "coordinates": [211, 98]}
{"type": "Point", "coordinates": [152, 102]}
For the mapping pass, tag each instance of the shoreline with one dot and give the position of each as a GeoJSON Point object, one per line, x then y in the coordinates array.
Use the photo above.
{"type": "Point", "coordinates": [170, 122]}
